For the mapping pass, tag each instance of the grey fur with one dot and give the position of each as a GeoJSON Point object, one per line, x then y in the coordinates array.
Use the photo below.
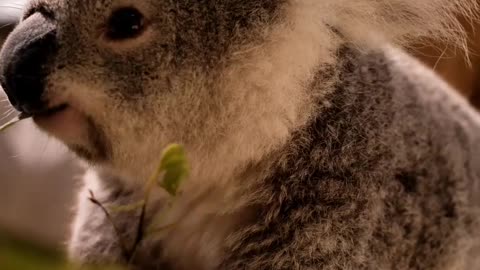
{"type": "Point", "coordinates": [355, 157]}
{"type": "Point", "coordinates": [385, 177]}
{"type": "Point", "coordinates": [376, 181]}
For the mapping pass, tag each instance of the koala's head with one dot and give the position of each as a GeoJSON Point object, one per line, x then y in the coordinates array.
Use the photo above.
{"type": "Point", "coordinates": [117, 80]}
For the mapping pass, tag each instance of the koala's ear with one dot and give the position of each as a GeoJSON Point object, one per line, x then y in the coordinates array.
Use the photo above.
{"type": "Point", "coordinates": [400, 21]}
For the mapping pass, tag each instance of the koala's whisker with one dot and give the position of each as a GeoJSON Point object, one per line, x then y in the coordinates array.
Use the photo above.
{"type": "Point", "coordinates": [8, 114]}
{"type": "Point", "coordinates": [4, 100]}
{"type": "Point", "coordinates": [10, 110]}
{"type": "Point", "coordinates": [440, 58]}
{"type": "Point", "coordinates": [12, 6]}
{"type": "Point", "coordinates": [6, 105]}
{"type": "Point", "coordinates": [6, 25]}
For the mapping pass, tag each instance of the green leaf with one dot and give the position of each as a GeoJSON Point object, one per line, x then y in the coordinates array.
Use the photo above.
{"type": "Point", "coordinates": [175, 168]}
{"type": "Point", "coordinates": [20, 254]}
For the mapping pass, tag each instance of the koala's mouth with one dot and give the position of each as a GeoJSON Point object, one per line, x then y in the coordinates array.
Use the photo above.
{"type": "Point", "coordinates": [51, 111]}
{"type": "Point", "coordinates": [56, 119]}
{"type": "Point", "coordinates": [64, 122]}
{"type": "Point", "coordinates": [77, 130]}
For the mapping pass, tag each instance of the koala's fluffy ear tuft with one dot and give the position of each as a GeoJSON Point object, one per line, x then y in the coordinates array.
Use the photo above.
{"type": "Point", "coordinates": [401, 21]}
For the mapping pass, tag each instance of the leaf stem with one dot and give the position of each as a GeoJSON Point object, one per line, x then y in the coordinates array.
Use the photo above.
{"type": "Point", "coordinates": [110, 219]}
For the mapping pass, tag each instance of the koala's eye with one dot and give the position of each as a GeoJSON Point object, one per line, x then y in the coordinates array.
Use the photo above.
{"type": "Point", "coordinates": [125, 23]}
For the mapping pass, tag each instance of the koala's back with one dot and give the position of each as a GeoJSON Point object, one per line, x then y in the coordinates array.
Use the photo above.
{"type": "Point", "coordinates": [386, 176]}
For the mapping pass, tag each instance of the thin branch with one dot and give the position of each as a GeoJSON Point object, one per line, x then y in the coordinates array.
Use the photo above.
{"type": "Point", "coordinates": [140, 228]}
{"type": "Point", "coordinates": [140, 232]}
{"type": "Point", "coordinates": [110, 219]}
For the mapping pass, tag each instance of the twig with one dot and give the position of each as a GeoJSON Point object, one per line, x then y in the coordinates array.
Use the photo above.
{"type": "Point", "coordinates": [174, 152]}
{"type": "Point", "coordinates": [140, 227]}
{"type": "Point", "coordinates": [140, 233]}
{"type": "Point", "coordinates": [110, 219]}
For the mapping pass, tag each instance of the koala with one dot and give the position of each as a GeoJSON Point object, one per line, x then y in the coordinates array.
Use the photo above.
{"type": "Point", "coordinates": [314, 140]}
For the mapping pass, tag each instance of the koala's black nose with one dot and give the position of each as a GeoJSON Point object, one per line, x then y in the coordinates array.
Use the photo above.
{"type": "Point", "coordinates": [24, 62]}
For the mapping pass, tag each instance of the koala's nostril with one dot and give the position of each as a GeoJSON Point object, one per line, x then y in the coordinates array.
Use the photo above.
{"type": "Point", "coordinates": [25, 60]}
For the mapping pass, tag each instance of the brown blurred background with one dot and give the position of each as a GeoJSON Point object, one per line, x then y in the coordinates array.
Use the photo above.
{"type": "Point", "coordinates": [451, 64]}
{"type": "Point", "coordinates": [37, 174]}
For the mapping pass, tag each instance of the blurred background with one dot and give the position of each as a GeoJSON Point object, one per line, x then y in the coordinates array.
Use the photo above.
{"type": "Point", "coordinates": [38, 176]}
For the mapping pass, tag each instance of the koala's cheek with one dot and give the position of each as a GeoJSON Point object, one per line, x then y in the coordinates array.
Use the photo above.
{"type": "Point", "coordinates": [69, 125]}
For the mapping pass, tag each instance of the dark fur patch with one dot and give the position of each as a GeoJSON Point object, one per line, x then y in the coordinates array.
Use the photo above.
{"type": "Point", "coordinates": [408, 181]}
{"type": "Point", "coordinates": [355, 187]}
